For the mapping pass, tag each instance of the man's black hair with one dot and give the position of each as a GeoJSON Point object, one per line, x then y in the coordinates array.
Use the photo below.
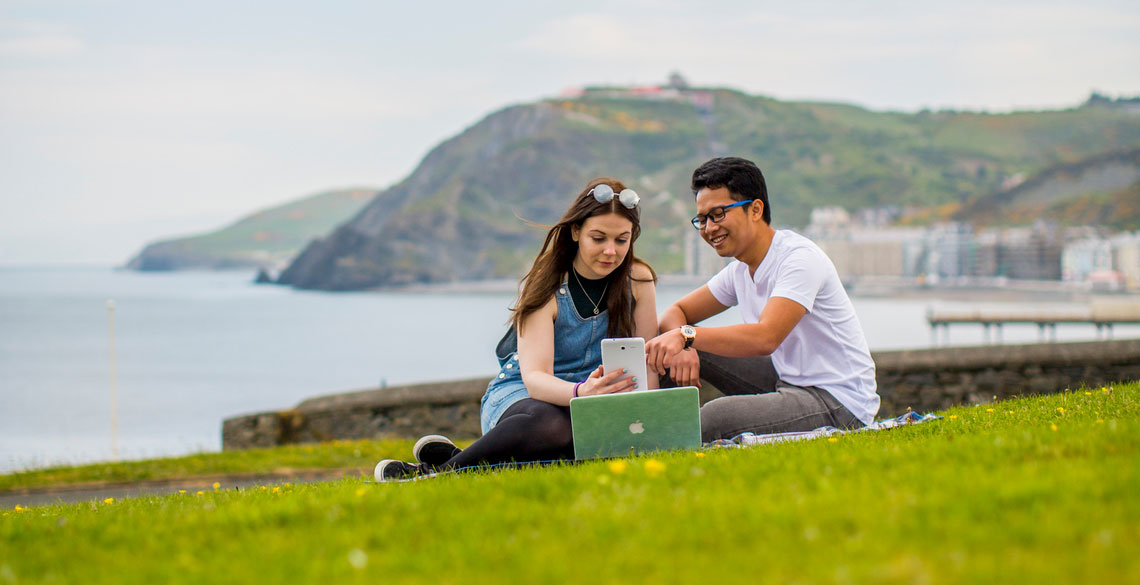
{"type": "Point", "coordinates": [741, 177]}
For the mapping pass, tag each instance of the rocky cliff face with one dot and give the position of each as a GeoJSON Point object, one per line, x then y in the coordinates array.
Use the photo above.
{"type": "Point", "coordinates": [457, 217]}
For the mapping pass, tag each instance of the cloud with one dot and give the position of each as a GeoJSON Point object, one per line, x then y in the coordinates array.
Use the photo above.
{"type": "Point", "coordinates": [25, 39]}
{"type": "Point", "coordinates": [972, 55]}
{"type": "Point", "coordinates": [259, 95]}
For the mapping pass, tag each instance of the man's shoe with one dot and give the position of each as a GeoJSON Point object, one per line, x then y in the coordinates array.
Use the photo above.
{"type": "Point", "coordinates": [434, 450]}
{"type": "Point", "coordinates": [394, 470]}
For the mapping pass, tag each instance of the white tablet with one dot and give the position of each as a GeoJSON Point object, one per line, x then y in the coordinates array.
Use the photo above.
{"type": "Point", "coordinates": [628, 353]}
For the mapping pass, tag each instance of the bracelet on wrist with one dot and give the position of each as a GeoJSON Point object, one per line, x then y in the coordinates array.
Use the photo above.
{"type": "Point", "coordinates": [576, 386]}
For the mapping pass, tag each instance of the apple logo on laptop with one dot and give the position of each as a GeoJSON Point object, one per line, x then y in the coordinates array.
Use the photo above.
{"type": "Point", "coordinates": [637, 428]}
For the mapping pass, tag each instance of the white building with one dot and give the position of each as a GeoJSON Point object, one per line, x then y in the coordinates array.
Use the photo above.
{"type": "Point", "coordinates": [1126, 258]}
{"type": "Point", "coordinates": [1080, 258]}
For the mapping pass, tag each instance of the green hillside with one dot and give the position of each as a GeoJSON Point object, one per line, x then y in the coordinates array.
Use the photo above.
{"type": "Point", "coordinates": [266, 238]}
{"type": "Point", "coordinates": [454, 217]}
{"type": "Point", "coordinates": [1100, 190]}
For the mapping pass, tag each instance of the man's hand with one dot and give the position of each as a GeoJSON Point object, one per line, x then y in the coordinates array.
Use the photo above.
{"type": "Point", "coordinates": [685, 368]}
{"type": "Point", "coordinates": [661, 349]}
{"type": "Point", "coordinates": [664, 354]}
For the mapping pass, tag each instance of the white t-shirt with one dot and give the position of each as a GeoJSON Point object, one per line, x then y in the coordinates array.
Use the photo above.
{"type": "Point", "coordinates": [827, 347]}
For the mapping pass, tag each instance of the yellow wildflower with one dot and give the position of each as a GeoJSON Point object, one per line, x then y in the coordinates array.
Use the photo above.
{"type": "Point", "coordinates": [832, 440]}
{"type": "Point", "coordinates": [1054, 427]}
{"type": "Point", "coordinates": [953, 416]}
{"type": "Point", "coordinates": [989, 410]}
{"type": "Point", "coordinates": [217, 485]}
{"type": "Point", "coordinates": [109, 501]}
{"type": "Point", "coordinates": [1100, 421]}
{"type": "Point", "coordinates": [181, 491]}
{"type": "Point", "coordinates": [1088, 393]}
{"type": "Point", "coordinates": [200, 493]}
{"type": "Point", "coordinates": [360, 491]}
{"type": "Point", "coordinates": [20, 508]}
{"type": "Point", "coordinates": [263, 488]}
{"type": "Point", "coordinates": [654, 467]}
{"type": "Point", "coordinates": [1061, 409]}
{"type": "Point", "coordinates": [617, 467]}
{"type": "Point", "coordinates": [699, 454]}
{"type": "Point", "coordinates": [276, 490]}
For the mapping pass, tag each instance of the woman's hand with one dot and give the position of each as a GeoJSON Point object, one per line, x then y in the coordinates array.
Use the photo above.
{"type": "Point", "coordinates": [599, 382]}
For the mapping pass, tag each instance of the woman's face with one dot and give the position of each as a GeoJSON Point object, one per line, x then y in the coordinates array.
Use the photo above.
{"type": "Point", "coordinates": [603, 242]}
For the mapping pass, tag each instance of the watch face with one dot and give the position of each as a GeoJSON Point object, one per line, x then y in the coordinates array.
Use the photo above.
{"type": "Point", "coordinates": [688, 331]}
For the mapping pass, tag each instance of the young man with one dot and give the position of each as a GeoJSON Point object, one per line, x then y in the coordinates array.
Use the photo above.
{"type": "Point", "coordinates": [795, 310]}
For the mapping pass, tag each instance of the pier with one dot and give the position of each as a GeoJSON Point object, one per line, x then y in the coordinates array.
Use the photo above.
{"type": "Point", "coordinates": [1102, 314]}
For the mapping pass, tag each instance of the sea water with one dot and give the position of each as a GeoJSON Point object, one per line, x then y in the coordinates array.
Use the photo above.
{"type": "Point", "coordinates": [193, 348]}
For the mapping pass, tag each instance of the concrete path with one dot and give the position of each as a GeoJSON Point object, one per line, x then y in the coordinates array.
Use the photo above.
{"type": "Point", "coordinates": [86, 492]}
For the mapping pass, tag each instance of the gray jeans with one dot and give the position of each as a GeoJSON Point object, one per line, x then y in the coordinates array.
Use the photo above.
{"type": "Point", "coordinates": [758, 401]}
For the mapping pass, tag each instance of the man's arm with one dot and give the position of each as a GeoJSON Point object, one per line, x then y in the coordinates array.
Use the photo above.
{"type": "Point", "coordinates": [690, 310]}
{"type": "Point", "coordinates": [684, 366]}
{"type": "Point", "coordinates": [777, 320]}
{"type": "Point", "coordinates": [779, 317]}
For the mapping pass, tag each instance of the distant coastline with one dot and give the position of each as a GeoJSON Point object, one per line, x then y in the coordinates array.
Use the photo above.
{"type": "Point", "coordinates": [973, 290]}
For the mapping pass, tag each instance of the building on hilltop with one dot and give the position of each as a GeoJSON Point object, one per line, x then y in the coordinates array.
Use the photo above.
{"type": "Point", "coordinates": [676, 81]}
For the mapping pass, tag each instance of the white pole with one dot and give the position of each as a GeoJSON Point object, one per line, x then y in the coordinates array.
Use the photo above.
{"type": "Point", "coordinates": [114, 398]}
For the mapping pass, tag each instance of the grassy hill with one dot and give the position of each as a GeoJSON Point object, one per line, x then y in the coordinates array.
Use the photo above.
{"type": "Point", "coordinates": [1032, 490]}
{"type": "Point", "coordinates": [455, 216]}
{"type": "Point", "coordinates": [266, 238]}
{"type": "Point", "coordinates": [1100, 190]}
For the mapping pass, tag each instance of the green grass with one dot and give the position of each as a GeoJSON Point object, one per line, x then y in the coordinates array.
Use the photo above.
{"type": "Point", "coordinates": [333, 455]}
{"type": "Point", "coordinates": [1036, 490]}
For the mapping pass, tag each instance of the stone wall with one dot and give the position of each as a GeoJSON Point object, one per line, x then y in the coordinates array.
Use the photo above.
{"type": "Point", "coordinates": [922, 380]}
{"type": "Point", "coordinates": [936, 379]}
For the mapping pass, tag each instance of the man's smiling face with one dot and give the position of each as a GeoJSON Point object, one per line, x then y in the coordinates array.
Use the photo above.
{"type": "Point", "coordinates": [733, 234]}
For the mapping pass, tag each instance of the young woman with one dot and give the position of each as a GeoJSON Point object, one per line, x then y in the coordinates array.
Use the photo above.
{"type": "Point", "coordinates": [585, 285]}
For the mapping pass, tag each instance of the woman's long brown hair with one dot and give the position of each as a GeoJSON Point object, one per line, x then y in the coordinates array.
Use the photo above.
{"type": "Point", "coordinates": [556, 258]}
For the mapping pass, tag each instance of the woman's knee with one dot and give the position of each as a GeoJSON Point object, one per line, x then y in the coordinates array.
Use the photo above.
{"type": "Point", "coordinates": [547, 425]}
{"type": "Point", "coordinates": [553, 425]}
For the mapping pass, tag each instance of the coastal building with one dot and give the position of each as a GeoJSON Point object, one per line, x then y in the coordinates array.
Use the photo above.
{"type": "Point", "coordinates": [861, 244]}
{"type": "Point", "coordinates": [986, 251]}
{"type": "Point", "coordinates": [1085, 256]}
{"type": "Point", "coordinates": [1126, 258]}
{"type": "Point", "coordinates": [950, 250]}
{"type": "Point", "coordinates": [1031, 253]}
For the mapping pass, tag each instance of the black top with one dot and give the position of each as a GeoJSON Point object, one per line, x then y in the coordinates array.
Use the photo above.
{"type": "Point", "coordinates": [586, 292]}
{"type": "Point", "coordinates": [510, 341]}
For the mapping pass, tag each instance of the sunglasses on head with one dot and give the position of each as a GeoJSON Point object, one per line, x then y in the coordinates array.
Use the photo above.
{"type": "Point", "coordinates": [604, 194]}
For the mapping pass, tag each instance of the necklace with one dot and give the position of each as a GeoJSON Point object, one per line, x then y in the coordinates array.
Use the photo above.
{"type": "Point", "coordinates": [583, 288]}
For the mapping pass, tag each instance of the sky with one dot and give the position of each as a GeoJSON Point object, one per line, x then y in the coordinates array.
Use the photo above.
{"type": "Point", "coordinates": [124, 122]}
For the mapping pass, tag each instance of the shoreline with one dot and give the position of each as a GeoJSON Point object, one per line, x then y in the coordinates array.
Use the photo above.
{"type": "Point", "coordinates": [976, 289]}
{"type": "Point", "coordinates": [1007, 291]}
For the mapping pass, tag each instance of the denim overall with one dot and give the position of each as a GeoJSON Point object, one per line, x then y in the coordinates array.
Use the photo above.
{"type": "Point", "coordinates": [577, 353]}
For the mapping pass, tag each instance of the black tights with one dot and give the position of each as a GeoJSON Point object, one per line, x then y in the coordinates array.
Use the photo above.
{"type": "Point", "coordinates": [530, 430]}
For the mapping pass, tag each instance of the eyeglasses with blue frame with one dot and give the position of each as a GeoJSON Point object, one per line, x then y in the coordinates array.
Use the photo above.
{"type": "Point", "coordinates": [716, 214]}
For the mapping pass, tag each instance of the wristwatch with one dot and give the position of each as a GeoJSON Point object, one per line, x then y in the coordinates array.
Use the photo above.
{"type": "Point", "coordinates": [689, 333]}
